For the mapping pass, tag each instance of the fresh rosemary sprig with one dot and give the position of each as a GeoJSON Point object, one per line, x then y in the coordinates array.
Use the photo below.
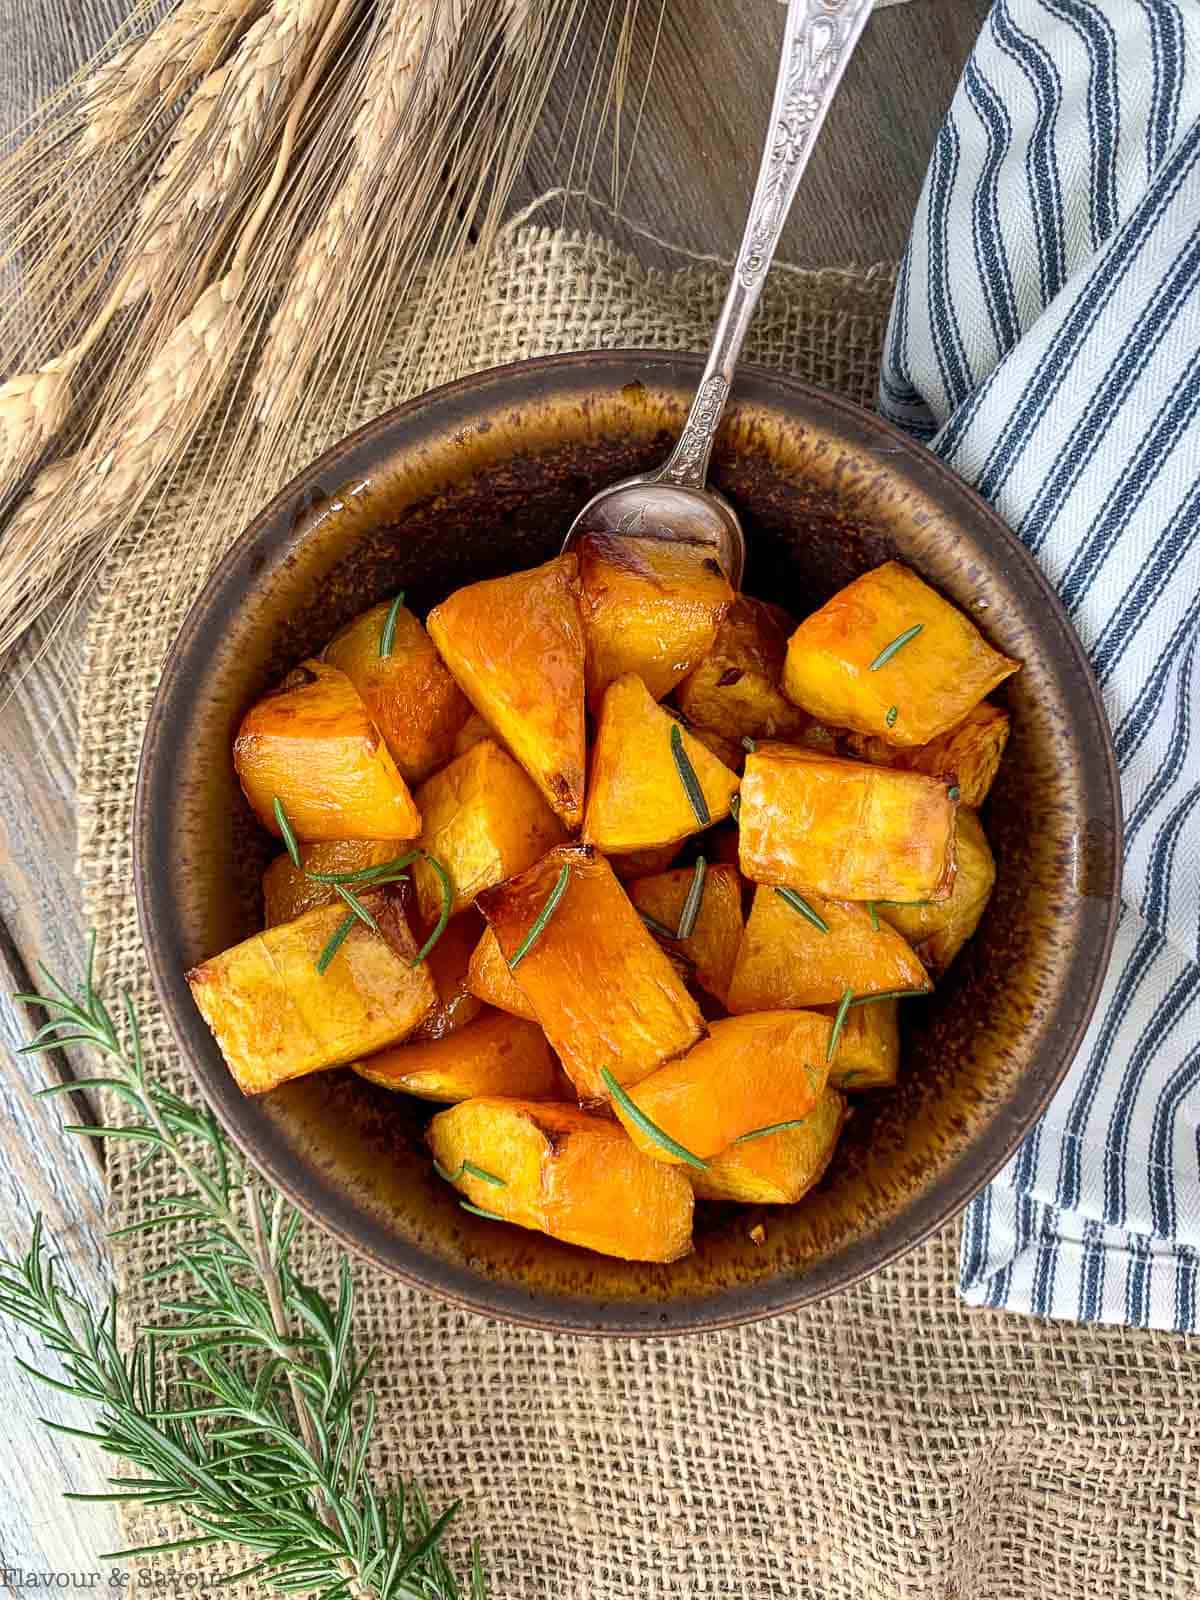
{"type": "Point", "coordinates": [475, 1172]}
{"type": "Point", "coordinates": [447, 888]}
{"type": "Point", "coordinates": [800, 904]}
{"type": "Point", "coordinates": [898, 643]}
{"type": "Point", "coordinates": [291, 844]}
{"type": "Point", "coordinates": [691, 905]}
{"type": "Point", "coordinates": [258, 1423]}
{"type": "Point", "coordinates": [688, 778]}
{"type": "Point", "coordinates": [388, 636]}
{"type": "Point", "coordinates": [892, 713]}
{"type": "Point", "coordinates": [650, 1128]}
{"type": "Point", "coordinates": [888, 994]}
{"type": "Point", "coordinates": [478, 1211]}
{"type": "Point", "coordinates": [335, 942]}
{"type": "Point", "coordinates": [655, 926]}
{"type": "Point", "coordinates": [771, 1127]}
{"type": "Point", "coordinates": [839, 1022]}
{"type": "Point", "coordinates": [543, 917]}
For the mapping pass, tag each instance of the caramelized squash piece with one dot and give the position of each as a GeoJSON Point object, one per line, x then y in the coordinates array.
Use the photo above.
{"type": "Point", "coordinates": [516, 647]}
{"type": "Point", "coordinates": [785, 960]}
{"type": "Point", "coordinates": [939, 931]}
{"type": "Point", "coordinates": [636, 798]}
{"type": "Point", "coordinates": [711, 948]}
{"type": "Point", "coordinates": [415, 703]}
{"type": "Point", "coordinates": [473, 731]}
{"type": "Point", "coordinates": [735, 691]}
{"type": "Point", "coordinates": [644, 863]}
{"type": "Point", "coordinates": [605, 993]}
{"type": "Point", "coordinates": [495, 1054]}
{"type": "Point", "coordinates": [867, 1055]}
{"type": "Point", "coordinates": [969, 755]}
{"type": "Point", "coordinates": [288, 893]}
{"type": "Point", "coordinates": [751, 1072]}
{"type": "Point", "coordinates": [776, 1169]}
{"type": "Point", "coordinates": [312, 743]}
{"type": "Point", "coordinates": [844, 829]}
{"type": "Point", "coordinates": [728, 752]}
{"type": "Point", "coordinates": [490, 979]}
{"type": "Point", "coordinates": [834, 672]}
{"type": "Point", "coordinates": [275, 1017]}
{"type": "Point", "coordinates": [484, 820]}
{"type": "Point", "coordinates": [562, 1172]}
{"type": "Point", "coordinates": [650, 606]}
{"type": "Point", "coordinates": [448, 963]}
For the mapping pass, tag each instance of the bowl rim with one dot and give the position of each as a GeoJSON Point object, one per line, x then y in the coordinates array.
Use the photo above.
{"type": "Point", "coordinates": [954, 1187]}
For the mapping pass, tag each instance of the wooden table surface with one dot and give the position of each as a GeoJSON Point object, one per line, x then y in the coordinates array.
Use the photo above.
{"type": "Point", "coordinates": [687, 182]}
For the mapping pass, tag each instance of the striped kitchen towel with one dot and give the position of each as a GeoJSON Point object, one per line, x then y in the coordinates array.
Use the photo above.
{"type": "Point", "coordinates": [1045, 341]}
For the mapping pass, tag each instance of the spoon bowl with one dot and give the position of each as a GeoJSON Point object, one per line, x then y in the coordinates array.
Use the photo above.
{"type": "Point", "coordinates": [645, 507]}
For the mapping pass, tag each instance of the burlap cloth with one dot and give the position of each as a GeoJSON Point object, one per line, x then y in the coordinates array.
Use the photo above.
{"type": "Point", "coordinates": [886, 1443]}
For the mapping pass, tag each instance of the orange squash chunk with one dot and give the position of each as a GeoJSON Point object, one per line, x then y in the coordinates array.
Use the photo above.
{"type": "Point", "coordinates": [776, 1169]}
{"type": "Point", "coordinates": [313, 744]}
{"type": "Point", "coordinates": [969, 755]}
{"type": "Point", "coordinates": [288, 892]}
{"type": "Point", "coordinates": [735, 691]}
{"type": "Point", "coordinates": [751, 1072]}
{"type": "Point", "coordinates": [494, 1054]}
{"type": "Point", "coordinates": [644, 863]}
{"type": "Point", "coordinates": [415, 703]}
{"type": "Point", "coordinates": [473, 731]}
{"type": "Point", "coordinates": [712, 946]}
{"type": "Point", "coordinates": [844, 829]}
{"type": "Point", "coordinates": [784, 960]}
{"type": "Point", "coordinates": [449, 962]}
{"type": "Point", "coordinates": [938, 931]}
{"type": "Point", "coordinates": [275, 1017]}
{"type": "Point", "coordinates": [867, 1054]}
{"type": "Point", "coordinates": [484, 820]}
{"type": "Point", "coordinates": [565, 1173]}
{"type": "Point", "coordinates": [516, 647]}
{"type": "Point", "coordinates": [605, 993]}
{"type": "Point", "coordinates": [650, 606]}
{"type": "Point", "coordinates": [921, 691]}
{"type": "Point", "coordinates": [636, 798]}
{"type": "Point", "coordinates": [490, 979]}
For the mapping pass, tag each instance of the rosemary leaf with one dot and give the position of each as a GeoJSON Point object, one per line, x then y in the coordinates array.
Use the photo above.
{"type": "Point", "coordinates": [447, 905]}
{"type": "Point", "coordinates": [336, 940]}
{"type": "Point", "coordinates": [543, 917]}
{"type": "Point", "coordinates": [892, 713]}
{"type": "Point", "coordinates": [478, 1211]}
{"type": "Point", "coordinates": [356, 905]}
{"type": "Point", "coordinates": [291, 844]}
{"type": "Point", "coordinates": [473, 1170]}
{"type": "Point", "coordinates": [688, 778]}
{"type": "Point", "coordinates": [367, 875]}
{"type": "Point", "coordinates": [888, 994]}
{"type": "Point", "coordinates": [691, 905]}
{"type": "Point", "coordinates": [649, 1128]}
{"type": "Point", "coordinates": [839, 1022]}
{"type": "Point", "coordinates": [655, 926]}
{"type": "Point", "coordinates": [873, 911]}
{"type": "Point", "coordinates": [771, 1127]}
{"type": "Point", "coordinates": [898, 643]}
{"type": "Point", "coordinates": [953, 792]}
{"type": "Point", "coordinates": [800, 904]}
{"type": "Point", "coordinates": [388, 637]}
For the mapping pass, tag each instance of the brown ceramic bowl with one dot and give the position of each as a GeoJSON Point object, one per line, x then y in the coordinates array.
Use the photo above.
{"type": "Point", "coordinates": [480, 478]}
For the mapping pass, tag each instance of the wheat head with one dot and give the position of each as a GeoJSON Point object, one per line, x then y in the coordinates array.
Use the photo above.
{"type": "Point", "coordinates": [33, 408]}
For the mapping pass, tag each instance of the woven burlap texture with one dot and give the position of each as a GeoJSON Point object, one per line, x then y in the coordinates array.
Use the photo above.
{"type": "Point", "coordinates": [887, 1443]}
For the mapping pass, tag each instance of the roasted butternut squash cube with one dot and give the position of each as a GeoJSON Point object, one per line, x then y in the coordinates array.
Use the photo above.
{"type": "Point", "coordinates": [287, 890]}
{"type": "Point", "coordinates": [473, 731]}
{"type": "Point", "coordinates": [449, 963]}
{"type": "Point", "coordinates": [637, 799]}
{"type": "Point", "coordinates": [605, 993]}
{"type": "Point", "coordinates": [644, 863]}
{"type": "Point", "coordinates": [275, 1017]}
{"type": "Point", "coordinates": [784, 960]}
{"type": "Point", "coordinates": [939, 931]}
{"type": "Point", "coordinates": [484, 820]}
{"type": "Point", "coordinates": [839, 671]}
{"type": "Point", "coordinates": [313, 745]}
{"type": "Point", "coordinates": [711, 948]}
{"type": "Point", "coordinates": [415, 703]}
{"type": "Point", "coordinates": [735, 691]}
{"type": "Point", "coordinates": [516, 647]}
{"type": "Point", "coordinates": [490, 979]}
{"type": "Point", "coordinates": [968, 756]}
{"type": "Point", "coordinates": [563, 1172]}
{"type": "Point", "coordinates": [844, 829]}
{"type": "Point", "coordinates": [751, 1072]}
{"type": "Point", "coordinates": [867, 1054]}
{"type": "Point", "coordinates": [495, 1054]}
{"type": "Point", "coordinates": [650, 606]}
{"type": "Point", "coordinates": [776, 1169]}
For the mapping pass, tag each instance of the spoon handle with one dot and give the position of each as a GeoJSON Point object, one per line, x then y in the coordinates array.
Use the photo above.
{"type": "Point", "coordinates": [819, 38]}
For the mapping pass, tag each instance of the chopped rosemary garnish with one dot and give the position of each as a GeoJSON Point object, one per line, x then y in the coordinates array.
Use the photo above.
{"type": "Point", "coordinates": [367, 875]}
{"type": "Point", "coordinates": [650, 1129]}
{"type": "Point", "coordinates": [892, 713]}
{"type": "Point", "coordinates": [542, 918]}
{"type": "Point", "coordinates": [289, 838]}
{"type": "Point", "coordinates": [473, 1170]}
{"type": "Point", "coordinates": [874, 914]}
{"type": "Point", "coordinates": [905, 902]}
{"type": "Point", "coordinates": [478, 1211]}
{"type": "Point", "coordinates": [357, 907]}
{"type": "Point", "coordinates": [447, 904]}
{"type": "Point", "coordinates": [735, 807]}
{"type": "Point", "coordinates": [839, 1023]}
{"type": "Point", "coordinates": [336, 940]}
{"type": "Point", "coordinates": [688, 778]}
{"type": "Point", "coordinates": [898, 643]}
{"type": "Point", "coordinates": [655, 926]}
{"type": "Point", "coordinates": [953, 792]}
{"type": "Point", "coordinates": [771, 1127]}
{"type": "Point", "coordinates": [388, 637]}
{"type": "Point", "coordinates": [800, 904]}
{"type": "Point", "coordinates": [887, 994]}
{"type": "Point", "coordinates": [749, 744]}
{"type": "Point", "coordinates": [691, 905]}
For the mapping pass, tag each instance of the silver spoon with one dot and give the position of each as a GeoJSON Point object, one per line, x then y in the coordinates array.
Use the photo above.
{"type": "Point", "coordinates": [673, 502]}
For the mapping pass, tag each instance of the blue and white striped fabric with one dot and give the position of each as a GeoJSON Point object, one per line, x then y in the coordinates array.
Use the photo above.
{"type": "Point", "coordinates": [1045, 341]}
